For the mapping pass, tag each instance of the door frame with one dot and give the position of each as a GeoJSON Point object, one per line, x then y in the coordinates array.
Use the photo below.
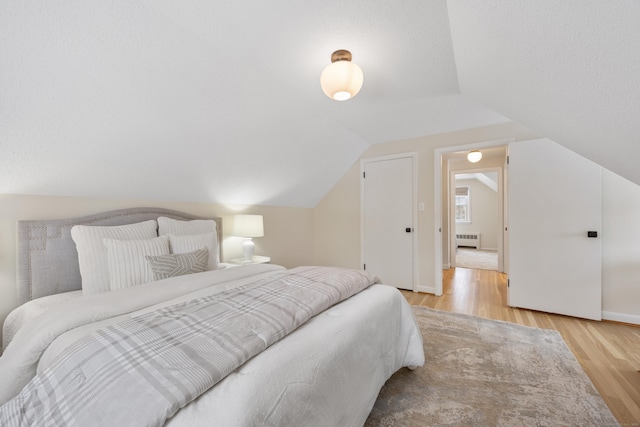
{"type": "Point", "coordinates": [414, 207]}
{"type": "Point", "coordinates": [437, 199]}
{"type": "Point", "coordinates": [500, 211]}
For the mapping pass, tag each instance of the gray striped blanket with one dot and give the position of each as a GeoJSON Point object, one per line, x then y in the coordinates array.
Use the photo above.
{"type": "Point", "coordinates": [142, 371]}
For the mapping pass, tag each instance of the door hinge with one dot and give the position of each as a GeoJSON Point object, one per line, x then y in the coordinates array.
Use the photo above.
{"type": "Point", "coordinates": [364, 174]}
{"type": "Point", "coordinates": [507, 159]}
{"type": "Point", "coordinates": [508, 283]}
{"type": "Point", "coordinates": [364, 266]}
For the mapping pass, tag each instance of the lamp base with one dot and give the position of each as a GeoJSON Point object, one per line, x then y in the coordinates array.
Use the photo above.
{"type": "Point", "coordinates": [247, 249]}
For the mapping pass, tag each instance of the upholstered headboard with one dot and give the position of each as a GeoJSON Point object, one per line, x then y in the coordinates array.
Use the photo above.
{"type": "Point", "coordinates": [47, 256]}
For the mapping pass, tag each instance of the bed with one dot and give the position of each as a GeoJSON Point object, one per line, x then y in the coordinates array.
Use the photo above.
{"type": "Point", "coordinates": [222, 345]}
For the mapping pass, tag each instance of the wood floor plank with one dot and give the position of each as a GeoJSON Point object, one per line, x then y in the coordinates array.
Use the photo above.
{"type": "Point", "coordinates": [609, 352]}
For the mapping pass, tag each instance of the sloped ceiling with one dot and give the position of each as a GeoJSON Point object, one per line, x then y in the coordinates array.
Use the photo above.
{"type": "Point", "coordinates": [220, 101]}
{"type": "Point", "coordinates": [568, 70]}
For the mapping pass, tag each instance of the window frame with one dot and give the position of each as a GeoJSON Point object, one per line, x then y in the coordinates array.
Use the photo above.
{"type": "Point", "coordinates": [467, 219]}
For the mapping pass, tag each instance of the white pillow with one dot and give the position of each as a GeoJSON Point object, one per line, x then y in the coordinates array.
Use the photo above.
{"type": "Point", "coordinates": [177, 227]}
{"type": "Point", "coordinates": [127, 263]}
{"type": "Point", "coordinates": [193, 242]}
{"type": "Point", "coordinates": [92, 254]}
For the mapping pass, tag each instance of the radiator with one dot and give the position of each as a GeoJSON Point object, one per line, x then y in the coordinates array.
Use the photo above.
{"type": "Point", "coordinates": [468, 240]}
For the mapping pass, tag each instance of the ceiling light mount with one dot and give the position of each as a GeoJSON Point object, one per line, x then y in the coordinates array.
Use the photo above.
{"type": "Point", "coordinates": [342, 79]}
{"type": "Point", "coordinates": [341, 55]}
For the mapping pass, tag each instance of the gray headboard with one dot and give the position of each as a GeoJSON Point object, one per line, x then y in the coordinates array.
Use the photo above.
{"type": "Point", "coordinates": [47, 256]}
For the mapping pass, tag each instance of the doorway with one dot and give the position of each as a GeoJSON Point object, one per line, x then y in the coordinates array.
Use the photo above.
{"type": "Point", "coordinates": [475, 232]}
{"type": "Point", "coordinates": [494, 156]}
{"type": "Point", "coordinates": [553, 219]}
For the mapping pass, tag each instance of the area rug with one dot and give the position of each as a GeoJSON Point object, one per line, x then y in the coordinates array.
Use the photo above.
{"type": "Point", "coordinates": [482, 372]}
{"type": "Point", "coordinates": [476, 258]}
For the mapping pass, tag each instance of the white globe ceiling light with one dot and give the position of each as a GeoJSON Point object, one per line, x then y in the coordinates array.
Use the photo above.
{"type": "Point", "coordinates": [474, 156]}
{"type": "Point", "coordinates": [342, 79]}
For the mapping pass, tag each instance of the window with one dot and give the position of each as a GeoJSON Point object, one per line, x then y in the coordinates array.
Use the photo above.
{"type": "Point", "coordinates": [463, 209]}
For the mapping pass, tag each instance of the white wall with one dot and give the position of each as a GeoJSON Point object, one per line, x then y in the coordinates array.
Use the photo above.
{"type": "Point", "coordinates": [620, 249]}
{"type": "Point", "coordinates": [484, 213]}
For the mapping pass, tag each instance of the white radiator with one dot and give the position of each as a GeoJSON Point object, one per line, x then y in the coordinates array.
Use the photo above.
{"type": "Point", "coordinates": [468, 240]}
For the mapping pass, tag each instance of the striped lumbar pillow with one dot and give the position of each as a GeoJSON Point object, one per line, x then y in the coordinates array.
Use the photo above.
{"type": "Point", "coordinates": [165, 266]}
{"type": "Point", "coordinates": [127, 264]}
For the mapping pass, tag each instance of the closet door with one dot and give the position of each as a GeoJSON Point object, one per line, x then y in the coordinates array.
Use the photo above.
{"type": "Point", "coordinates": [388, 222]}
{"type": "Point", "coordinates": [554, 224]}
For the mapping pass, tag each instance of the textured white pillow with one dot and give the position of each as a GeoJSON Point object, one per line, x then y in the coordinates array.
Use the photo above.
{"type": "Point", "coordinates": [127, 263]}
{"type": "Point", "coordinates": [92, 254]}
{"type": "Point", "coordinates": [177, 227]}
{"type": "Point", "coordinates": [193, 242]}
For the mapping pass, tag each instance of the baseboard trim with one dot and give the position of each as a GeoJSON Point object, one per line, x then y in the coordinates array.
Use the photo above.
{"type": "Point", "coordinates": [621, 317]}
{"type": "Point", "coordinates": [446, 266]}
{"type": "Point", "coordinates": [427, 289]}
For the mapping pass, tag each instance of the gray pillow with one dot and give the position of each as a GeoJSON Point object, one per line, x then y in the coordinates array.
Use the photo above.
{"type": "Point", "coordinates": [165, 266]}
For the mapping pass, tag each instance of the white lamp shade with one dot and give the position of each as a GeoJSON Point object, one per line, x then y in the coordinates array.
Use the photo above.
{"type": "Point", "coordinates": [474, 156]}
{"type": "Point", "coordinates": [341, 80]}
{"type": "Point", "coordinates": [248, 226]}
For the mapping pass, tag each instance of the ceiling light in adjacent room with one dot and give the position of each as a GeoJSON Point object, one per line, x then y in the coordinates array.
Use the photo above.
{"type": "Point", "coordinates": [474, 156]}
{"type": "Point", "coordinates": [342, 79]}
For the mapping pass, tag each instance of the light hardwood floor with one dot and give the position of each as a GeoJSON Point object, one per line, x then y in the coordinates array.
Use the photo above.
{"type": "Point", "coordinates": [609, 352]}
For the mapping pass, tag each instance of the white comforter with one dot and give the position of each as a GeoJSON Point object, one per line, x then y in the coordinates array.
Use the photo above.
{"type": "Point", "coordinates": [328, 372]}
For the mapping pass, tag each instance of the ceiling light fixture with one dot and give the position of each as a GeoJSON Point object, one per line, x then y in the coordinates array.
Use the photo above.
{"type": "Point", "coordinates": [342, 79]}
{"type": "Point", "coordinates": [474, 156]}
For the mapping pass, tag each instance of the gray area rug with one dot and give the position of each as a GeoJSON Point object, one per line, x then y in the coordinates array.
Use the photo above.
{"type": "Point", "coordinates": [482, 372]}
{"type": "Point", "coordinates": [476, 258]}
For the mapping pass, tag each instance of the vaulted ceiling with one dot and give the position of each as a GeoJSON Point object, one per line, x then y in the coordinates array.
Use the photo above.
{"type": "Point", "coordinates": [220, 101]}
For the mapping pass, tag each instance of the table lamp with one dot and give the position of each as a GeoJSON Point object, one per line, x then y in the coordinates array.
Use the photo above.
{"type": "Point", "coordinates": [248, 226]}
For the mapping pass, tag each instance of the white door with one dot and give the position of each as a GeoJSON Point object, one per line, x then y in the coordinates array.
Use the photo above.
{"type": "Point", "coordinates": [554, 201]}
{"type": "Point", "coordinates": [388, 226]}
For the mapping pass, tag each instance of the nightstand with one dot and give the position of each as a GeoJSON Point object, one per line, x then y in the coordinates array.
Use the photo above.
{"type": "Point", "coordinates": [257, 259]}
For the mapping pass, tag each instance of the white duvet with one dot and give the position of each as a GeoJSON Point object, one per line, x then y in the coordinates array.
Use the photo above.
{"type": "Point", "coordinates": [327, 372]}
